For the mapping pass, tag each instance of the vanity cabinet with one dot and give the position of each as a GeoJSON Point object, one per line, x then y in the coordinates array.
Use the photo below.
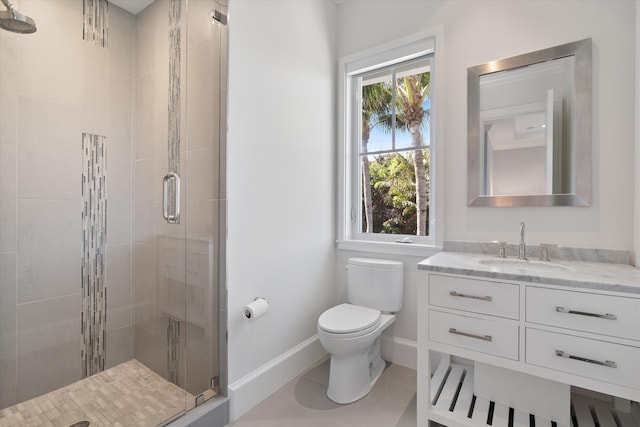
{"type": "Point", "coordinates": [526, 342]}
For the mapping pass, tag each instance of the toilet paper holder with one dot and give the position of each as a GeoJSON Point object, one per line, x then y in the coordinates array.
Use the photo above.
{"type": "Point", "coordinates": [256, 309]}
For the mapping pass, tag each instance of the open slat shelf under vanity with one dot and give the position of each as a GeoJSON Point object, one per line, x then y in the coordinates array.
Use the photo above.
{"type": "Point", "coordinates": [454, 400]}
{"type": "Point", "coordinates": [557, 349]}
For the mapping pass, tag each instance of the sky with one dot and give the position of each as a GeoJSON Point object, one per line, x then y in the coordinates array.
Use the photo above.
{"type": "Point", "coordinates": [381, 140]}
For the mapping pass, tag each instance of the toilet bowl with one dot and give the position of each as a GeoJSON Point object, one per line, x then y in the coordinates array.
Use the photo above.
{"type": "Point", "coordinates": [356, 363]}
{"type": "Point", "coordinates": [350, 332]}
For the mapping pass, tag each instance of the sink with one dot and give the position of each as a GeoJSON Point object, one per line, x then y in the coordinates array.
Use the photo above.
{"type": "Point", "coordinates": [525, 265]}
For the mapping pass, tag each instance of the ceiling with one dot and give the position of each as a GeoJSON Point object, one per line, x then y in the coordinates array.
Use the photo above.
{"type": "Point", "coordinates": [133, 6]}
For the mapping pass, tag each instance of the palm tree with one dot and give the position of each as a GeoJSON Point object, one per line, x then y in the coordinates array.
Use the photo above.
{"type": "Point", "coordinates": [376, 103]}
{"type": "Point", "coordinates": [412, 91]}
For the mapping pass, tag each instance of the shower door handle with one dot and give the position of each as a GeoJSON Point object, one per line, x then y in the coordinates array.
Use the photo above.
{"type": "Point", "coordinates": [172, 216]}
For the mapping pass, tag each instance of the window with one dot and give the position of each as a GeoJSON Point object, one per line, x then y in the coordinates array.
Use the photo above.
{"type": "Point", "coordinates": [388, 146]}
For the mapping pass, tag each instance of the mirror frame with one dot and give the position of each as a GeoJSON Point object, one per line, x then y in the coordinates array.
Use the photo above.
{"type": "Point", "coordinates": [581, 50]}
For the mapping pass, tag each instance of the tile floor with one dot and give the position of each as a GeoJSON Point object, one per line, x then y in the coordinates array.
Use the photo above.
{"type": "Point", "coordinates": [129, 394]}
{"type": "Point", "coordinates": [303, 403]}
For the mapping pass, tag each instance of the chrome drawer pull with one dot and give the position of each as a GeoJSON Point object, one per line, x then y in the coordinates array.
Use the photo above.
{"type": "Point", "coordinates": [481, 298]}
{"type": "Point", "coordinates": [466, 334]}
{"type": "Point", "coordinates": [607, 363]}
{"type": "Point", "coordinates": [585, 313]}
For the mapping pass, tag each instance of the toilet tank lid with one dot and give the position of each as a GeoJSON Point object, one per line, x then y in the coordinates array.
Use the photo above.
{"type": "Point", "coordinates": [376, 263]}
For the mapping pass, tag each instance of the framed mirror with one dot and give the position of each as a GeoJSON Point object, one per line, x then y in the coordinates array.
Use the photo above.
{"type": "Point", "coordinates": [529, 129]}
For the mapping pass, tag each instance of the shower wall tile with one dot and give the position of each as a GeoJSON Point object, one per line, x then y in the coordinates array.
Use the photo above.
{"type": "Point", "coordinates": [121, 28]}
{"type": "Point", "coordinates": [171, 273]}
{"type": "Point", "coordinates": [145, 292]}
{"type": "Point", "coordinates": [8, 383]}
{"type": "Point", "coordinates": [7, 171]}
{"type": "Point", "coordinates": [119, 220]}
{"type": "Point", "coordinates": [149, 23]}
{"type": "Point", "coordinates": [48, 345]}
{"type": "Point", "coordinates": [203, 174]}
{"type": "Point", "coordinates": [119, 346]}
{"type": "Point", "coordinates": [49, 323]}
{"type": "Point", "coordinates": [49, 154]}
{"type": "Point", "coordinates": [118, 283]}
{"type": "Point", "coordinates": [144, 211]}
{"type": "Point", "coordinates": [144, 57]}
{"type": "Point", "coordinates": [120, 116]}
{"type": "Point", "coordinates": [8, 220]}
{"type": "Point", "coordinates": [120, 200]}
{"type": "Point", "coordinates": [150, 348]}
{"type": "Point", "coordinates": [200, 359]}
{"type": "Point", "coordinates": [42, 371]}
{"type": "Point", "coordinates": [95, 90]}
{"type": "Point", "coordinates": [8, 88]}
{"type": "Point", "coordinates": [201, 216]}
{"type": "Point", "coordinates": [7, 306]}
{"type": "Point", "coordinates": [144, 113]}
{"type": "Point", "coordinates": [48, 174]}
{"type": "Point", "coordinates": [56, 48]}
{"type": "Point", "coordinates": [49, 249]}
{"type": "Point", "coordinates": [199, 18]}
{"type": "Point", "coordinates": [161, 152]}
{"type": "Point", "coordinates": [202, 105]}
{"type": "Point", "coordinates": [200, 277]}
{"type": "Point", "coordinates": [161, 70]}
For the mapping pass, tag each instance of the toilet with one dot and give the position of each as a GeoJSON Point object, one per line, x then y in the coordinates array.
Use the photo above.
{"type": "Point", "coordinates": [351, 332]}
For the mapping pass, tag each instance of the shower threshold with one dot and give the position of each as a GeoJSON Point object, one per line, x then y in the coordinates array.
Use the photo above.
{"type": "Point", "coordinates": [126, 395]}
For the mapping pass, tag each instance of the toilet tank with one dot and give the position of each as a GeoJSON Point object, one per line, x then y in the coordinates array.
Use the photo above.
{"type": "Point", "coordinates": [375, 283]}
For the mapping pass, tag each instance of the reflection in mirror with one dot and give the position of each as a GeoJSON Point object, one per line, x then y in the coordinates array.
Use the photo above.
{"type": "Point", "coordinates": [529, 121]}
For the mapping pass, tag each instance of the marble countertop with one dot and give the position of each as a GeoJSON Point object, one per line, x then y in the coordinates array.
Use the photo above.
{"type": "Point", "coordinates": [571, 273]}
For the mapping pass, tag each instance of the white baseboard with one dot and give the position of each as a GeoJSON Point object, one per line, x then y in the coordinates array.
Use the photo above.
{"type": "Point", "coordinates": [400, 351]}
{"type": "Point", "coordinates": [252, 389]}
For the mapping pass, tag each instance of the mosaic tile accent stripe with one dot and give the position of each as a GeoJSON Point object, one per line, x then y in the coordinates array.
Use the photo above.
{"type": "Point", "coordinates": [173, 350]}
{"type": "Point", "coordinates": [95, 21]}
{"type": "Point", "coordinates": [175, 13]}
{"type": "Point", "coordinates": [94, 235]}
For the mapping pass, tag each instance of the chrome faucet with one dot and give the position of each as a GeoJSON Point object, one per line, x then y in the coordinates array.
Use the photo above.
{"type": "Point", "coordinates": [522, 249]}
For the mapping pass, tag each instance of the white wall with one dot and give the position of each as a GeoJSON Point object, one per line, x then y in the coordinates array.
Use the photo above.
{"type": "Point", "coordinates": [479, 31]}
{"type": "Point", "coordinates": [637, 146]}
{"type": "Point", "coordinates": [281, 168]}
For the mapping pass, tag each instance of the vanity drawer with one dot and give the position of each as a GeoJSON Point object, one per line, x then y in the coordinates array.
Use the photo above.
{"type": "Point", "coordinates": [498, 338]}
{"type": "Point", "coordinates": [599, 314]}
{"type": "Point", "coordinates": [599, 360]}
{"type": "Point", "coordinates": [476, 296]}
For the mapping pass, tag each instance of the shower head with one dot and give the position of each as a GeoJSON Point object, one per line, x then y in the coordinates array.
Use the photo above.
{"type": "Point", "coordinates": [12, 20]}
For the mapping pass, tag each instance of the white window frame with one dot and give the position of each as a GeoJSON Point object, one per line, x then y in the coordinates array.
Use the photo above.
{"type": "Point", "coordinates": [401, 50]}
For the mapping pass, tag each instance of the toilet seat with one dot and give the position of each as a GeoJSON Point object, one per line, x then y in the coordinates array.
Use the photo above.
{"type": "Point", "coordinates": [349, 319]}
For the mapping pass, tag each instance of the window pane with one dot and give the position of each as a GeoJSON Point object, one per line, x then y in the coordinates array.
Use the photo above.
{"type": "Point", "coordinates": [377, 113]}
{"type": "Point", "coordinates": [413, 88]}
{"type": "Point", "coordinates": [393, 122]}
{"type": "Point", "coordinates": [389, 195]}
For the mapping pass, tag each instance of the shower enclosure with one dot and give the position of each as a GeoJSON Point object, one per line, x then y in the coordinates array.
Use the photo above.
{"type": "Point", "coordinates": [112, 203]}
